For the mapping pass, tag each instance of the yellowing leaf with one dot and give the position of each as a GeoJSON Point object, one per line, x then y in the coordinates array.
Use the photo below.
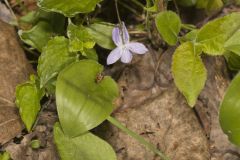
{"type": "Point", "coordinates": [189, 71]}
{"type": "Point", "coordinates": [28, 96]}
{"type": "Point", "coordinates": [212, 36]}
{"type": "Point", "coordinates": [233, 44]}
{"type": "Point", "coordinates": [79, 38]}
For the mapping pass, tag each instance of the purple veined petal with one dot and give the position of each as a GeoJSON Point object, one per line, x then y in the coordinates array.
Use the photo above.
{"type": "Point", "coordinates": [125, 33]}
{"type": "Point", "coordinates": [126, 56]}
{"type": "Point", "coordinates": [114, 56]}
{"type": "Point", "coordinates": [116, 36]}
{"type": "Point", "coordinates": [136, 47]}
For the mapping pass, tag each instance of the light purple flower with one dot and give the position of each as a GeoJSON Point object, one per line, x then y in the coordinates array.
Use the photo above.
{"type": "Point", "coordinates": [124, 49]}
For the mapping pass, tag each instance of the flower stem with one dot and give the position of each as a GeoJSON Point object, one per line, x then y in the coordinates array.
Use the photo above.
{"type": "Point", "coordinates": [137, 137]}
{"type": "Point", "coordinates": [118, 15]}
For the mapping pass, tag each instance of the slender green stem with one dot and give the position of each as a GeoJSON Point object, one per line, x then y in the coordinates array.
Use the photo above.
{"type": "Point", "coordinates": [118, 14]}
{"type": "Point", "coordinates": [188, 26]}
{"type": "Point", "coordinates": [148, 4]}
{"type": "Point", "coordinates": [138, 3]}
{"type": "Point", "coordinates": [139, 138]}
{"type": "Point", "coordinates": [129, 8]}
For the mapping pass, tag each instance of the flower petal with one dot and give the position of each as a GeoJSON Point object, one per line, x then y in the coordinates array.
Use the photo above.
{"type": "Point", "coordinates": [116, 37]}
{"type": "Point", "coordinates": [114, 56]}
{"type": "Point", "coordinates": [125, 33]}
{"type": "Point", "coordinates": [136, 47]}
{"type": "Point", "coordinates": [126, 56]}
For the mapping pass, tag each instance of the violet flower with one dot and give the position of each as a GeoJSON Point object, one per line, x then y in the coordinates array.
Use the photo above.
{"type": "Point", "coordinates": [124, 49]}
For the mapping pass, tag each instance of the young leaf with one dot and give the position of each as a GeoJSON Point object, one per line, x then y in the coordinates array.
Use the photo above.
{"type": "Point", "coordinates": [190, 36]}
{"type": "Point", "coordinates": [210, 5]}
{"type": "Point", "coordinates": [233, 61]}
{"type": "Point", "coordinates": [214, 5]}
{"type": "Point", "coordinates": [5, 156]}
{"type": "Point", "coordinates": [168, 24]}
{"type": "Point", "coordinates": [187, 3]}
{"type": "Point", "coordinates": [214, 34]}
{"type": "Point", "coordinates": [79, 38]}
{"type": "Point", "coordinates": [233, 44]}
{"type": "Point", "coordinates": [83, 102]}
{"type": "Point", "coordinates": [28, 96]}
{"type": "Point", "coordinates": [102, 34]}
{"type": "Point", "coordinates": [230, 111]}
{"type": "Point", "coordinates": [84, 147]}
{"type": "Point", "coordinates": [90, 54]}
{"type": "Point", "coordinates": [38, 36]}
{"type": "Point", "coordinates": [46, 25]}
{"type": "Point", "coordinates": [55, 57]}
{"type": "Point", "coordinates": [70, 7]}
{"type": "Point", "coordinates": [189, 71]}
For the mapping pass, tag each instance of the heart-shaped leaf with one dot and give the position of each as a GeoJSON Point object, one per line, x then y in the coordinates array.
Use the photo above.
{"type": "Point", "coordinates": [68, 7]}
{"type": "Point", "coordinates": [168, 24]}
{"type": "Point", "coordinates": [214, 34]}
{"type": "Point", "coordinates": [189, 71]}
{"type": "Point", "coordinates": [230, 111]}
{"type": "Point", "coordinates": [28, 96]}
{"type": "Point", "coordinates": [83, 102]}
{"type": "Point", "coordinates": [84, 147]}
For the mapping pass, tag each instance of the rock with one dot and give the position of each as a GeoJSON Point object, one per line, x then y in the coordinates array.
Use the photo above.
{"type": "Point", "coordinates": [14, 69]}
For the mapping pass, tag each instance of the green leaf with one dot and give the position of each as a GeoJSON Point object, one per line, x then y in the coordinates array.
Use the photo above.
{"type": "Point", "coordinates": [38, 36]}
{"type": "Point", "coordinates": [233, 44]}
{"type": "Point", "coordinates": [214, 5]}
{"type": "Point", "coordinates": [28, 96]}
{"type": "Point", "coordinates": [212, 36]}
{"type": "Point", "coordinates": [28, 18]}
{"type": "Point", "coordinates": [5, 156]}
{"type": "Point", "coordinates": [90, 54]}
{"type": "Point", "coordinates": [233, 61]}
{"type": "Point", "coordinates": [186, 3]}
{"type": "Point", "coordinates": [35, 144]}
{"type": "Point", "coordinates": [55, 57]}
{"type": "Point", "coordinates": [102, 34]}
{"type": "Point", "coordinates": [68, 8]}
{"type": "Point", "coordinates": [230, 111]}
{"type": "Point", "coordinates": [190, 36]}
{"type": "Point", "coordinates": [84, 147]}
{"type": "Point", "coordinates": [168, 24]}
{"type": "Point", "coordinates": [202, 3]}
{"type": "Point", "coordinates": [83, 103]}
{"type": "Point", "coordinates": [46, 25]}
{"type": "Point", "coordinates": [79, 38]}
{"type": "Point", "coordinates": [210, 5]}
{"type": "Point", "coordinates": [188, 71]}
